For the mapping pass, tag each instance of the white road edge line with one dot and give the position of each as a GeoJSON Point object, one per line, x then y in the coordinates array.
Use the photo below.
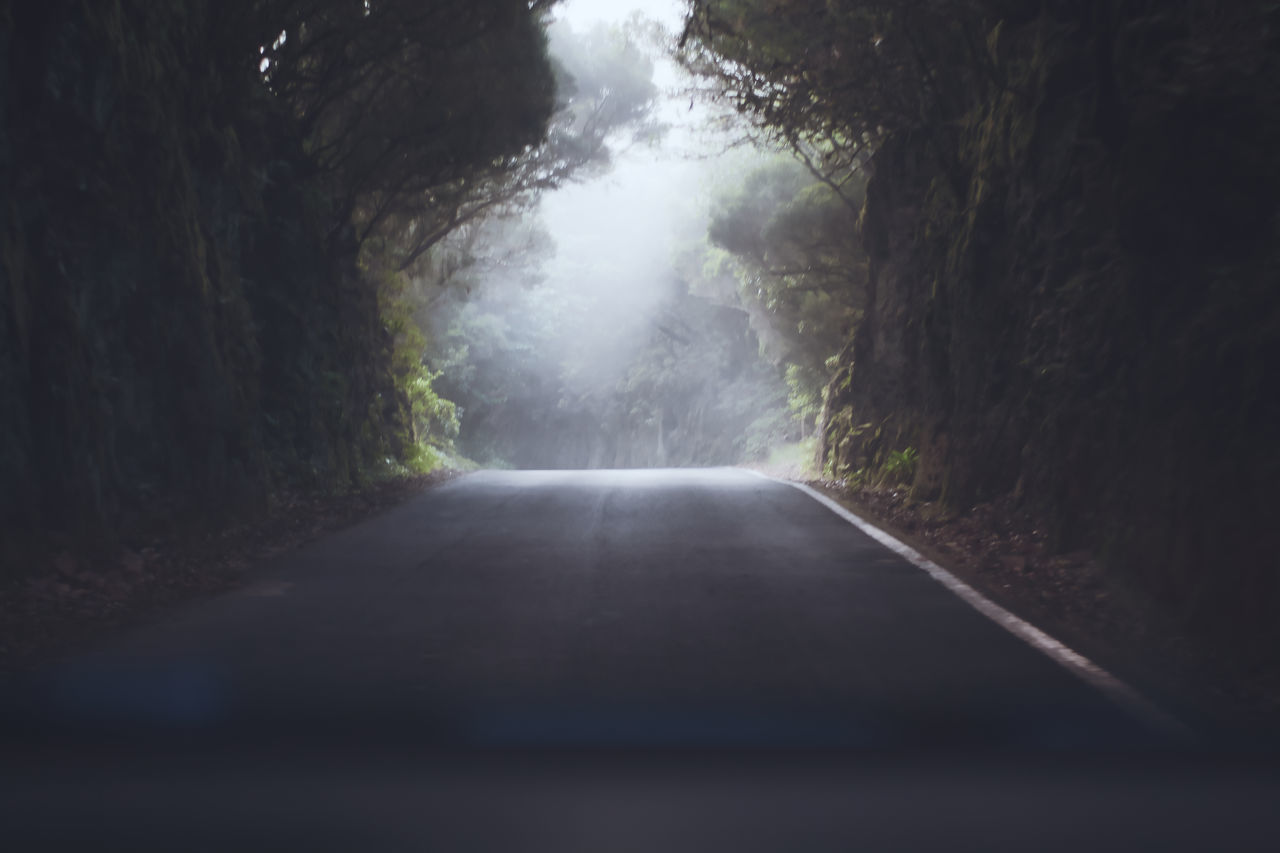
{"type": "Point", "coordinates": [1086, 670]}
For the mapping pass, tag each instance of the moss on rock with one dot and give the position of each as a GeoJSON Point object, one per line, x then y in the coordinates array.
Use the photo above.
{"type": "Point", "coordinates": [1087, 327]}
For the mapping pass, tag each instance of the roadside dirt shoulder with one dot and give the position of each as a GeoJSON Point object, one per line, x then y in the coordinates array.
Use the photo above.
{"type": "Point", "coordinates": [62, 600]}
{"type": "Point", "coordinates": [1003, 555]}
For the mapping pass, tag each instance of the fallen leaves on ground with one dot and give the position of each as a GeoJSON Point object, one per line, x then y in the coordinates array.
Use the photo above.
{"type": "Point", "coordinates": [1001, 551]}
{"type": "Point", "coordinates": [62, 600]}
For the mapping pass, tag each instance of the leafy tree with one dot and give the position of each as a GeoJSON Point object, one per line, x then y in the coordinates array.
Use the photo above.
{"type": "Point", "coordinates": [209, 206]}
{"type": "Point", "coordinates": [473, 278]}
{"type": "Point", "coordinates": [788, 243]}
{"type": "Point", "coordinates": [603, 88]}
{"type": "Point", "coordinates": [832, 80]}
{"type": "Point", "coordinates": [606, 93]}
{"type": "Point", "coordinates": [490, 333]}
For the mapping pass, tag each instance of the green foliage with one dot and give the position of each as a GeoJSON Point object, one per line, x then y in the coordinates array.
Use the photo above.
{"type": "Point", "coordinates": [845, 74]}
{"type": "Point", "coordinates": [523, 359]}
{"type": "Point", "coordinates": [433, 416]}
{"type": "Point", "coordinates": [782, 245]}
{"type": "Point", "coordinates": [422, 459]}
{"type": "Point", "coordinates": [684, 385]}
{"type": "Point", "coordinates": [899, 466]}
{"type": "Point", "coordinates": [433, 419]}
{"type": "Point", "coordinates": [197, 292]}
{"type": "Point", "coordinates": [793, 253]}
{"type": "Point", "coordinates": [1069, 202]}
{"type": "Point", "coordinates": [606, 91]}
{"type": "Point", "coordinates": [412, 114]}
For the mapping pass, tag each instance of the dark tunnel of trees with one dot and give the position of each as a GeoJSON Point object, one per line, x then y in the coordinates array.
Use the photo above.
{"type": "Point", "coordinates": [995, 249]}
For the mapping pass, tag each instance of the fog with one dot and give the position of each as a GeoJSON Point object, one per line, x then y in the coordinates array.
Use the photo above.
{"type": "Point", "coordinates": [583, 330]}
{"type": "Point", "coordinates": [615, 234]}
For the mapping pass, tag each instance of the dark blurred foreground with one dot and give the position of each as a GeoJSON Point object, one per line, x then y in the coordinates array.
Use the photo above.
{"type": "Point", "coordinates": [607, 661]}
{"type": "Point", "coordinates": [593, 778]}
{"type": "Point", "coordinates": [346, 794]}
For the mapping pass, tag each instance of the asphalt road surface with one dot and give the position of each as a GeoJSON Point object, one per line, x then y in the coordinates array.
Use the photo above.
{"type": "Point", "coordinates": [612, 607]}
{"type": "Point", "coordinates": [614, 613]}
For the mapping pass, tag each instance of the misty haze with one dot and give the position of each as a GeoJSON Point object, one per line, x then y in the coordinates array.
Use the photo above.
{"type": "Point", "coordinates": [597, 324]}
{"type": "Point", "coordinates": [654, 424]}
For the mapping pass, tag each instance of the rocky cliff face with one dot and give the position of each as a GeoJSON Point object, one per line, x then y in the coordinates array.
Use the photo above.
{"type": "Point", "coordinates": [177, 332]}
{"type": "Point", "coordinates": [1087, 313]}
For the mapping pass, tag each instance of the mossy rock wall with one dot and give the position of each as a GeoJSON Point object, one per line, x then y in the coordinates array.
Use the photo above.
{"type": "Point", "coordinates": [1092, 326]}
{"type": "Point", "coordinates": [178, 334]}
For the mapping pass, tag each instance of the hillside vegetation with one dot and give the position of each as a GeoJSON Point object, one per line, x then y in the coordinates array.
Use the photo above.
{"type": "Point", "coordinates": [207, 209]}
{"type": "Point", "coordinates": [986, 250]}
{"type": "Point", "coordinates": [1071, 239]}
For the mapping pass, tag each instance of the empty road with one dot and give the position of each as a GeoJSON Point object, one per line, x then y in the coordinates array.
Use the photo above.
{"type": "Point", "coordinates": [584, 661]}
{"type": "Point", "coordinates": [605, 608]}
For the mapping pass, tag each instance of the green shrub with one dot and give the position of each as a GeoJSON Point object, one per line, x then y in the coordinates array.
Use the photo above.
{"type": "Point", "coordinates": [899, 466]}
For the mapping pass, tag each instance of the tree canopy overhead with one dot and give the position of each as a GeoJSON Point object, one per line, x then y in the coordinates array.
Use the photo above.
{"type": "Point", "coordinates": [1068, 201]}
{"type": "Point", "coordinates": [196, 294]}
